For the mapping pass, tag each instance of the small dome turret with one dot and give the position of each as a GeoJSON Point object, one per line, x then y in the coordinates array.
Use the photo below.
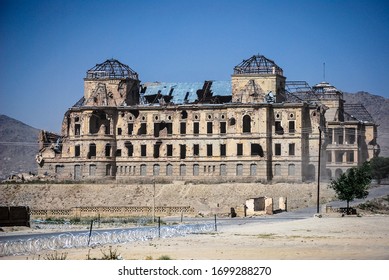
{"type": "Point", "coordinates": [258, 64]}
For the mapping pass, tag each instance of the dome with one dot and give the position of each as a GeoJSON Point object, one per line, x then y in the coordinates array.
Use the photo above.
{"type": "Point", "coordinates": [111, 69]}
{"type": "Point", "coordinates": [258, 64]}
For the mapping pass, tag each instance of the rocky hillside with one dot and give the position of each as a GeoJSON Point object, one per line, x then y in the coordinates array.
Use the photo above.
{"type": "Point", "coordinates": [378, 107]}
{"type": "Point", "coordinates": [18, 147]}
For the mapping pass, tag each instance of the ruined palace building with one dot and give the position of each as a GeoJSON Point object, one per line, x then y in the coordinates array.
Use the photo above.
{"type": "Point", "coordinates": [258, 127]}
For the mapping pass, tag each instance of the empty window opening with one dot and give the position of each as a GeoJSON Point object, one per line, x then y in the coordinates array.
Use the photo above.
{"type": "Point", "coordinates": [118, 153]}
{"type": "Point", "coordinates": [143, 150]}
{"type": "Point", "coordinates": [108, 150]}
{"type": "Point", "coordinates": [239, 149]}
{"type": "Point", "coordinates": [291, 149]}
{"type": "Point", "coordinates": [196, 150]}
{"type": "Point", "coordinates": [119, 131]}
{"type": "Point", "coordinates": [143, 129]}
{"type": "Point", "coordinates": [183, 128]}
{"type": "Point", "coordinates": [338, 135]}
{"type": "Point", "coordinates": [256, 150]}
{"type": "Point", "coordinates": [232, 121]}
{"type": "Point", "coordinates": [182, 151]}
{"type": "Point", "coordinates": [222, 150]}
{"type": "Point", "coordinates": [350, 136]}
{"type": "Point", "coordinates": [98, 121]}
{"type": "Point", "coordinates": [339, 156]}
{"type": "Point", "coordinates": [291, 169]}
{"type": "Point", "coordinates": [108, 170]}
{"type": "Point", "coordinates": [169, 150]}
{"type": "Point", "coordinates": [223, 128]}
{"type": "Point", "coordinates": [246, 124]}
{"type": "Point", "coordinates": [350, 157]}
{"type": "Point", "coordinates": [277, 148]}
{"type": "Point", "coordinates": [130, 149]}
{"type": "Point", "coordinates": [196, 128]}
{"type": "Point", "coordinates": [156, 149]}
{"type": "Point", "coordinates": [278, 128]}
{"type": "Point", "coordinates": [77, 129]}
{"type": "Point", "coordinates": [291, 127]}
{"type": "Point", "coordinates": [77, 151]}
{"type": "Point", "coordinates": [184, 115]}
{"type": "Point", "coordinates": [329, 135]}
{"type": "Point", "coordinates": [209, 127]}
{"type": "Point", "coordinates": [209, 150]}
{"type": "Point", "coordinates": [130, 128]}
{"type": "Point", "coordinates": [329, 156]}
{"type": "Point", "coordinates": [92, 150]}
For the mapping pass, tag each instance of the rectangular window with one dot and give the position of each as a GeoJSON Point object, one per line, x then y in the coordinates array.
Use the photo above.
{"type": "Point", "coordinates": [291, 149]}
{"type": "Point", "coordinates": [130, 149]}
{"type": "Point", "coordinates": [77, 151]}
{"type": "Point", "coordinates": [239, 149]}
{"type": "Point", "coordinates": [92, 170]}
{"type": "Point", "coordinates": [277, 148]}
{"type": "Point", "coordinates": [183, 128]}
{"type": "Point", "coordinates": [223, 129]}
{"type": "Point", "coordinates": [209, 150]}
{"type": "Point", "coordinates": [119, 131]}
{"type": "Point", "coordinates": [143, 150]}
{"type": "Point", "coordinates": [143, 129]}
{"type": "Point", "coordinates": [77, 128]}
{"type": "Point", "coordinates": [196, 128]}
{"type": "Point", "coordinates": [118, 153]}
{"type": "Point", "coordinates": [329, 156]}
{"type": "Point", "coordinates": [209, 127]}
{"type": "Point", "coordinates": [169, 150]}
{"type": "Point", "coordinates": [350, 157]}
{"type": "Point", "coordinates": [169, 127]}
{"type": "Point", "coordinates": [196, 150]}
{"type": "Point", "coordinates": [156, 150]}
{"type": "Point", "coordinates": [130, 128]}
{"type": "Point", "coordinates": [182, 151]}
{"type": "Point", "coordinates": [279, 129]}
{"type": "Point", "coordinates": [291, 127]}
{"type": "Point", "coordinates": [222, 150]}
{"type": "Point", "coordinates": [329, 135]}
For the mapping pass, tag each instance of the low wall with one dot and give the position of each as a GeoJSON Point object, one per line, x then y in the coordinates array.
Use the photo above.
{"type": "Point", "coordinates": [114, 211]}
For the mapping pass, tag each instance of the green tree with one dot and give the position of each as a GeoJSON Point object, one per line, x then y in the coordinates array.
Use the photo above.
{"type": "Point", "coordinates": [353, 184]}
{"type": "Point", "coordinates": [379, 168]}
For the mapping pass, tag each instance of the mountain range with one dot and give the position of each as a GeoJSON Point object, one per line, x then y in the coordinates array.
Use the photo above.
{"type": "Point", "coordinates": [19, 141]}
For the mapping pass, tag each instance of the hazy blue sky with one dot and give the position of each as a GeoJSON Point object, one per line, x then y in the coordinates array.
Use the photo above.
{"type": "Point", "coordinates": [47, 46]}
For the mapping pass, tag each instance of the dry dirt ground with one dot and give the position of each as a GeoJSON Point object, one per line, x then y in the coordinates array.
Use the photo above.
{"type": "Point", "coordinates": [330, 237]}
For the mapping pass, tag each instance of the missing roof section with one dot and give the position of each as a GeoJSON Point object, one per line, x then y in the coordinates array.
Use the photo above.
{"type": "Point", "coordinates": [357, 112]}
{"type": "Point", "coordinates": [185, 93]}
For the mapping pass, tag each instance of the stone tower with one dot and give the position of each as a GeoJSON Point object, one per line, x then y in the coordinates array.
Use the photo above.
{"type": "Point", "coordinates": [256, 78]}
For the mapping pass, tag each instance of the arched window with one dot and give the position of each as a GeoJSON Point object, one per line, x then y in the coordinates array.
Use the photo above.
{"type": "Point", "coordinates": [253, 169]}
{"type": "Point", "coordinates": [169, 170]}
{"type": "Point", "coordinates": [246, 124]}
{"type": "Point", "coordinates": [291, 169]}
{"type": "Point", "coordinates": [277, 169]}
{"type": "Point", "coordinates": [182, 170]}
{"type": "Point", "coordinates": [156, 169]}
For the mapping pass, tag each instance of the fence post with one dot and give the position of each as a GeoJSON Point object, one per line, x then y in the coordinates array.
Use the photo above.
{"type": "Point", "coordinates": [215, 223]}
{"type": "Point", "coordinates": [159, 227]}
{"type": "Point", "coordinates": [90, 231]}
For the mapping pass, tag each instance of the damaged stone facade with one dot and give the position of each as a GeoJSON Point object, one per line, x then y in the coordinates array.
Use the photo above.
{"type": "Point", "coordinates": [246, 131]}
